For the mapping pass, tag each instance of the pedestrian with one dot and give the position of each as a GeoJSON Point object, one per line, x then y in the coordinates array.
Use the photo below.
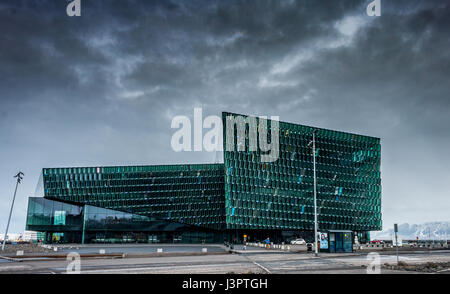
{"type": "Point", "coordinates": [267, 241]}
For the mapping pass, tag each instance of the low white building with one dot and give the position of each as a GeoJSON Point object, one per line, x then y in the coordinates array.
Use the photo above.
{"type": "Point", "coordinates": [26, 236]}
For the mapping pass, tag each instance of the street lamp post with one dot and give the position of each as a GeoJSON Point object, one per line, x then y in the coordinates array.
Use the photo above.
{"type": "Point", "coordinates": [315, 192]}
{"type": "Point", "coordinates": [19, 178]}
{"type": "Point", "coordinates": [396, 240]}
{"type": "Point", "coordinates": [315, 195]}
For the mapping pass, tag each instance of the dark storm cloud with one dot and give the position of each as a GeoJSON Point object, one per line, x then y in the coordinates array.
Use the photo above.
{"type": "Point", "coordinates": [101, 89]}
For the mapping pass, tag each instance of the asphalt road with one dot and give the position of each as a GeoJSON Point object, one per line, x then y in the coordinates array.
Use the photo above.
{"type": "Point", "coordinates": [264, 262]}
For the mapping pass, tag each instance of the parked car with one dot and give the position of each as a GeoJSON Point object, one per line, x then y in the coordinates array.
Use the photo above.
{"type": "Point", "coordinates": [407, 244]}
{"type": "Point", "coordinates": [298, 241]}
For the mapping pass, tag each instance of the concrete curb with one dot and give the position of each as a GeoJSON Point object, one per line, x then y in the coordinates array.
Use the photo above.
{"type": "Point", "coordinates": [118, 255]}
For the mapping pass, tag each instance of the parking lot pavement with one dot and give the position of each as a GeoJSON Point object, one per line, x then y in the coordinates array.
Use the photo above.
{"type": "Point", "coordinates": [265, 262]}
{"type": "Point", "coordinates": [229, 263]}
{"type": "Point", "coordinates": [221, 264]}
{"type": "Point", "coordinates": [342, 263]}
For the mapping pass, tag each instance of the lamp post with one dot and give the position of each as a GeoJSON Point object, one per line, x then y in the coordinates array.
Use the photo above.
{"type": "Point", "coordinates": [316, 252]}
{"type": "Point", "coordinates": [19, 177]}
{"type": "Point", "coordinates": [396, 240]}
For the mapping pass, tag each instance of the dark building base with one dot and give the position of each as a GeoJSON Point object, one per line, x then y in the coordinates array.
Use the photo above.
{"type": "Point", "coordinates": [193, 237]}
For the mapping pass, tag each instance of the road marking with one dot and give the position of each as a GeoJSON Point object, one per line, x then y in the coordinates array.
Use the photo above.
{"type": "Point", "coordinates": [258, 265]}
{"type": "Point", "coordinates": [264, 268]}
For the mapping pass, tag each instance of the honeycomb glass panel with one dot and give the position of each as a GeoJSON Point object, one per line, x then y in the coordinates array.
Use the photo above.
{"type": "Point", "coordinates": [348, 181]}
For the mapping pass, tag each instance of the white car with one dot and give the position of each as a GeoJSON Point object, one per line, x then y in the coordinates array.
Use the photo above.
{"type": "Point", "coordinates": [298, 241]}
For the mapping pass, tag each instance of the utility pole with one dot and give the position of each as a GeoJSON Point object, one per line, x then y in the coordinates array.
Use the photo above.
{"type": "Point", "coordinates": [19, 177]}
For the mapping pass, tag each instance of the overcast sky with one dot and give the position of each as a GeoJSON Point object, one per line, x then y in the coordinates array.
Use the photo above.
{"type": "Point", "coordinates": [102, 89]}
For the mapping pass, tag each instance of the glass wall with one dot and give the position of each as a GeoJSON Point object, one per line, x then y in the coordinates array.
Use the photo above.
{"type": "Point", "coordinates": [189, 194]}
{"type": "Point", "coordinates": [279, 195]}
{"type": "Point", "coordinates": [55, 221]}
{"type": "Point", "coordinates": [48, 215]}
{"type": "Point", "coordinates": [66, 223]}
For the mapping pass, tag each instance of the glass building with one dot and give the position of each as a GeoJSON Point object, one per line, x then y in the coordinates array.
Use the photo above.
{"type": "Point", "coordinates": [244, 196]}
{"type": "Point", "coordinates": [276, 198]}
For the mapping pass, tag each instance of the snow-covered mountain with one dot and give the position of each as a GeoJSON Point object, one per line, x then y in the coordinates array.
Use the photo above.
{"type": "Point", "coordinates": [426, 231]}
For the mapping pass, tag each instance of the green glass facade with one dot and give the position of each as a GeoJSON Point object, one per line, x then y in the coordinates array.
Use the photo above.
{"type": "Point", "coordinates": [191, 194]}
{"type": "Point", "coordinates": [70, 223]}
{"type": "Point", "coordinates": [279, 195]}
{"type": "Point", "coordinates": [213, 202]}
{"type": "Point", "coordinates": [53, 216]}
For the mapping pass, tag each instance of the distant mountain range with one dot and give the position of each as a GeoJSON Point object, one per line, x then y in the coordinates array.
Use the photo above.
{"type": "Point", "coordinates": [426, 231]}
